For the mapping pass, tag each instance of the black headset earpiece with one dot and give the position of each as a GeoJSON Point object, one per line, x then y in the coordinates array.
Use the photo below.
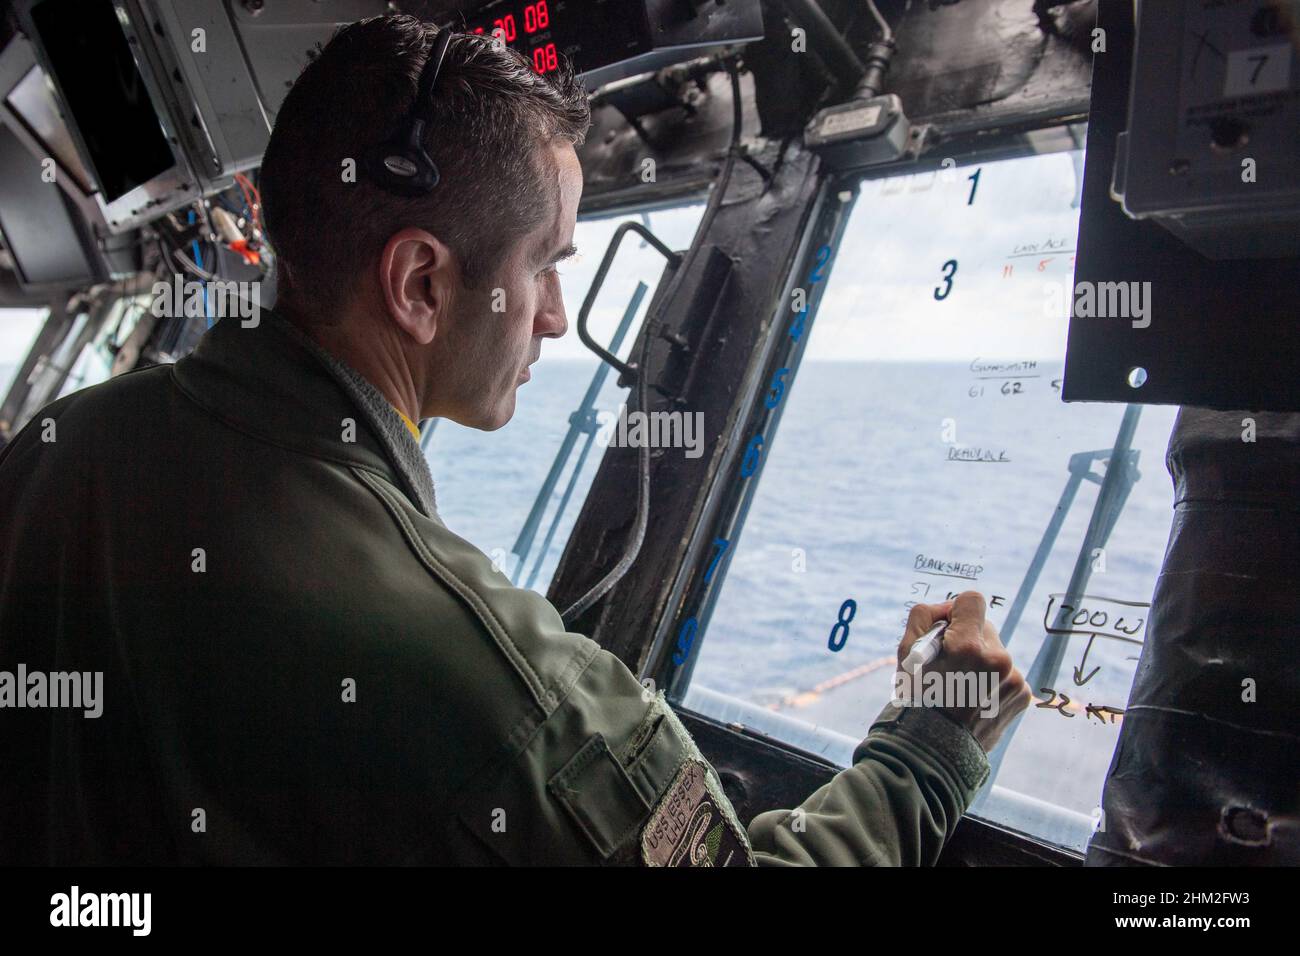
{"type": "Point", "coordinates": [401, 165]}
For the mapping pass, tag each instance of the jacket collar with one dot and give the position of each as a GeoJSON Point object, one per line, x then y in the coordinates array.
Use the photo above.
{"type": "Point", "coordinates": [272, 381]}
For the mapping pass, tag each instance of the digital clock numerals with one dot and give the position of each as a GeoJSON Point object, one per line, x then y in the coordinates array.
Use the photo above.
{"type": "Point", "coordinates": [536, 17]}
{"type": "Point", "coordinates": [545, 58]}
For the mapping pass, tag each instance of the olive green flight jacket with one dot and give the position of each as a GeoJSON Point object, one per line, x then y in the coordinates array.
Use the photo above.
{"type": "Point", "coordinates": [301, 663]}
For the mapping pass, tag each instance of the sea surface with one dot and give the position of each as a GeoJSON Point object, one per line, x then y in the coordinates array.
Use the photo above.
{"type": "Point", "coordinates": [887, 482]}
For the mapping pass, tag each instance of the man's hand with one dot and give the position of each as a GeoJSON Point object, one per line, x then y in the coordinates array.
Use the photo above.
{"type": "Point", "coordinates": [973, 653]}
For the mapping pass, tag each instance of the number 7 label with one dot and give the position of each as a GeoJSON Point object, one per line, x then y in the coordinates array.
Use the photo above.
{"type": "Point", "coordinates": [1258, 69]}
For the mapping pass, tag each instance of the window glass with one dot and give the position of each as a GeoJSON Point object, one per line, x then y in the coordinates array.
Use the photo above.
{"type": "Point", "coordinates": [925, 451]}
{"type": "Point", "coordinates": [95, 363]}
{"type": "Point", "coordinates": [488, 483]}
{"type": "Point", "coordinates": [18, 331]}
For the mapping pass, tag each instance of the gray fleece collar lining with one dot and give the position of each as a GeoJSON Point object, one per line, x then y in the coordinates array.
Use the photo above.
{"type": "Point", "coordinates": [403, 450]}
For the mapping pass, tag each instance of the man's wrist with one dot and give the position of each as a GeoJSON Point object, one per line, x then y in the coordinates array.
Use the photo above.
{"type": "Point", "coordinates": [944, 738]}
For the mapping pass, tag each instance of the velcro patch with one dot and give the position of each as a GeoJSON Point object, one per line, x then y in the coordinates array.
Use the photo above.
{"type": "Point", "coordinates": [689, 828]}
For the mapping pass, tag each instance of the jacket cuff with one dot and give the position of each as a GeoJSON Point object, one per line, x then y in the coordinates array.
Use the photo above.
{"type": "Point", "coordinates": [943, 739]}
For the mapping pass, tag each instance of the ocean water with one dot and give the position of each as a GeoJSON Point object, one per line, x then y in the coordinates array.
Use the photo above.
{"type": "Point", "coordinates": [867, 477]}
{"type": "Point", "coordinates": [859, 482]}
{"type": "Point", "coordinates": [487, 482]}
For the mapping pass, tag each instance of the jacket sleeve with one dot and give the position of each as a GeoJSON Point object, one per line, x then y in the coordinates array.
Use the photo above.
{"type": "Point", "coordinates": [911, 780]}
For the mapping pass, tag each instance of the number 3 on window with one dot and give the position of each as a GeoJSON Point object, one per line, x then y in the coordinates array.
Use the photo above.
{"type": "Point", "coordinates": [950, 270]}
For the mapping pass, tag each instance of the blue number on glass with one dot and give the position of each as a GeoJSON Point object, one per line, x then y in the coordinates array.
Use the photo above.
{"type": "Point", "coordinates": [777, 387]}
{"type": "Point", "coordinates": [842, 622]}
{"type": "Point", "coordinates": [823, 256]}
{"type": "Point", "coordinates": [950, 264]}
{"type": "Point", "coordinates": [685, 638]}
{"type": "Point", "coordinates": [750, 463]}
{"type": "Point", "coordinates": [722, 544]}
{"type": "Point", "coordinates": [796, 329]}
{"type": "Point", "coordinates": [974, 185]}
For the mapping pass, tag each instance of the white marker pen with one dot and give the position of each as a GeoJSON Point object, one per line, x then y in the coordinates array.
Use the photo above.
{"type": "Point", "coordinates": [925, 649]}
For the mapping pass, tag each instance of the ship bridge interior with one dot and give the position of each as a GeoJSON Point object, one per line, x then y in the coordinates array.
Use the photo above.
{"type": "Point", "coordinates": [873, 304]}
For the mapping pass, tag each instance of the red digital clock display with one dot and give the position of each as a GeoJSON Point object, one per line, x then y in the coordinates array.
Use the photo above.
{"type": "Point", "coordinates": [592, 33]}
{"type": "Point", "coordinates": [534, 17]}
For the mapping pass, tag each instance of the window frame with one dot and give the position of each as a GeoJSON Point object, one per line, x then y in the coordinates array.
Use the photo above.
{"type": "Point", "coordinates": [755, 767]}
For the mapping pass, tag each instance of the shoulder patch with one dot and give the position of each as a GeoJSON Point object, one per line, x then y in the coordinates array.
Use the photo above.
{"type": "Point", "coordinates": [689, 828]}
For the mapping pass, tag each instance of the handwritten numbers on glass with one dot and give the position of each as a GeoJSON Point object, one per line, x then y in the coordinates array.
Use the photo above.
{"type": "Point", "coordinates": [752, 452]}
{"type": "Point", "coordinates": [777, 388]}
{"type": "Point", "coordinates": [823, 256]}
{"type": "Point", "coordinates": [918, 587]}
{"type": "Point", "coordinates": [799, 304]}
{"type": "Point", "coordinates": [1101, 712]}
{"type": "Point", "coordinates": [950, 270]}
{"type": "Point", "coordinates": [850, 606]}
{"type": "Point", "coordinates": [721, 544]}
{"type": "Point", "coordinates": [1051, 704]}
{"type": "Point", "coordinates": [974, 185]}
{"type": "Point", "coordinates": [685, 638]}
{"type": "Point", "coordinates": [796, 327]}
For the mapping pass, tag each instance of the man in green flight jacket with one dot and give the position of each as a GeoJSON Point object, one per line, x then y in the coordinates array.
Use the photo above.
{"type": "Point", "coordinates": [300, 662]}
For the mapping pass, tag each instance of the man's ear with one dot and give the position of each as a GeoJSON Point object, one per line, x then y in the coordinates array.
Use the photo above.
{"type": "Point", "coordinates": [416, 277]}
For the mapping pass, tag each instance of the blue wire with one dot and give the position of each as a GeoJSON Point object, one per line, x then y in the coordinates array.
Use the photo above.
{"type": "Point", "coordinates": [198, 259]}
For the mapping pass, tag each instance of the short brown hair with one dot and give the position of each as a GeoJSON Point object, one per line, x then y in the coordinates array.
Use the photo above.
{"type": "Point", "coordinates": [489, 114]}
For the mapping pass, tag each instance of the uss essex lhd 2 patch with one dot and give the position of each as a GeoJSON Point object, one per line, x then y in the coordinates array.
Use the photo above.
{"type": "Point", "coordinates": [689, 826]}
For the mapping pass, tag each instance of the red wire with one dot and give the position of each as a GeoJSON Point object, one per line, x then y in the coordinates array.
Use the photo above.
{"type": "Point", "coordinates": [254, 200]}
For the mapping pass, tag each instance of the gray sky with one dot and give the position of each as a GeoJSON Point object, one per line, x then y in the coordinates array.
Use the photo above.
{"type": "Point", "coordinates": [879, 302]}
